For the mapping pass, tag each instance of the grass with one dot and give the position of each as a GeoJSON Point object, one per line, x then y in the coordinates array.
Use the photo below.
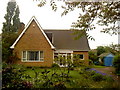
{"type": "Point", "coordinates": [97, 66]}
{"type": "Point", "coordinates": [78, 78]}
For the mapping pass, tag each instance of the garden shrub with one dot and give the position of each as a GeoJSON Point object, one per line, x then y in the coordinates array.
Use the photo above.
{"type": "Point", "coordinates": [98, 77]}
{"type": "Point", "coordinates": [90, 62]}
{"type": "Point", "coordinates": [55, 65]}
{"type": "Point", "coordinates": [60, 86]}
{"type": "Point", "coordinates": [29, 67]}
{"type": "Point", "coordinates": [116, 63]}
{"type": "Point", "coordinates": [13, 78]}
{"type": "Point", "coordinates": [12, 58]}
{"type": "Point", "coordinates": [81, 72]}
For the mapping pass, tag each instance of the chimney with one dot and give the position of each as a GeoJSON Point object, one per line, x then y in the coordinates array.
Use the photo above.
{"type": "Point", "coordinates": [22, 26]}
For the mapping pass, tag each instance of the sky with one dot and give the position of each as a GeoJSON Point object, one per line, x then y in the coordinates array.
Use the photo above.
{"type": "Point", "coordinates": [49, 19]}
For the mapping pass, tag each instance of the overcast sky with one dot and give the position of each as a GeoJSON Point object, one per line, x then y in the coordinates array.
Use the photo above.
{"type": "Point", "coordinates": [49, 19]}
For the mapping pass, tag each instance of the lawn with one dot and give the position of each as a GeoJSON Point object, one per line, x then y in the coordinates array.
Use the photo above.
{"type": "Point", "coordinates": [97, 66]}
{"type": "Point", "coordinates": [77, 77]}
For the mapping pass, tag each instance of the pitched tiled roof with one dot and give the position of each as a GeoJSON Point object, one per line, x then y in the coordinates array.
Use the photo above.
{"type": "Point", "coordinates": [64, 39]}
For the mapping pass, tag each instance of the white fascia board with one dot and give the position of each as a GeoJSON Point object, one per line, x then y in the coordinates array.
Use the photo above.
{"type": "Point", "coordinates": [44, 33]}
{"type": "Point", "coordinates": [12, 47]}
{"type": "Point", "coordinates": [33, 18]}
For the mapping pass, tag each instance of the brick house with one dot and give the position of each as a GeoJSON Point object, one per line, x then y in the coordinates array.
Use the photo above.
{"type": "Point", "coordinates": [37, 47]}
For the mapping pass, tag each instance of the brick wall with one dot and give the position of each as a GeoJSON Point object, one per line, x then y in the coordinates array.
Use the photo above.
{"type": "Point", "coordinates": [86, 57]}
{"type": "Point", "coordinates": [34, 40]}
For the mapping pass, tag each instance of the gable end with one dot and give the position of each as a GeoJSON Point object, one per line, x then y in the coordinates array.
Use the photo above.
{"type": "Point", "coordinates": [19, 37]}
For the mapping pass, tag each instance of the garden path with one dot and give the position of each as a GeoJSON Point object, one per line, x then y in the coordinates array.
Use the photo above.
{"type": "Point", "coordinates": [110, 71]}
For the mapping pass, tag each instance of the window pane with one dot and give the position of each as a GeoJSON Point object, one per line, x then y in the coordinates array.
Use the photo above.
{"type": "Point", "coordinates": [31, 55]}
{"type": "Point", "coordinates": [41, 54]}
{"type": "Point", "coordinates": [55, 54]}
{"type": "Point", "coordinates": [68, 55]}
{"type": "Point", "coordinates": [36, 55]}
{"type": "Point", "coordinates": [28, 55]}
{"type": "Point", "coordinates": [24, 58]}
{"type": "Point", "coordinates": [78, 56]}
{"type": "Point", "coordinates": [81, 56]}
{"type": "Point", "coordinates": [24, 54]}
{"type": "Point", "coordinates": [55, 57]}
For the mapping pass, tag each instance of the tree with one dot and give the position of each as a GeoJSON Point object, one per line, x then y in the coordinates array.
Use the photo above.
{"type": "Point", "coordinates": [10, 27]}
{"type": "Point", "coordinates": [106, 14]}
{"type": "Point", "coordinates": [93, 56]}
{"type": "Point", "coordinates": [7, 40]}
{"type": "Point", "coordinates": [116, 63]}
{"type": "Point", "coordinates": [100, 50]}
{"type": "Point", "coordinates": [12, 23]}
{"type": "Point", "coordinates": [16, 20]}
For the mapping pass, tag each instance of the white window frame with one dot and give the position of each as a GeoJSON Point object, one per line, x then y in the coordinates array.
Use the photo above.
{"type": "Point", "coordinates": [26, 59]}
{"type": "Point", "coordinates": [41, 59]}
{"type": "Point", "coordinates": [63, 54]}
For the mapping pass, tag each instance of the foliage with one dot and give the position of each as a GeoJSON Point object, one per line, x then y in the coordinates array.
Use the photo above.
{"type": "Point", "coordinates": [36, 77]}
{"type": "Point", "coordinates": [7, 40]}
{"type": "Point", "coordinates": [93, 56]}
{"type": "Point", "coordinates": [55, 65]}
{"type": "Point", "coordinates": [52, 4]}
{"type": "Point", "coordinates": [76, 61]}
{"type": "Point", "coordinates": [97, 77]}
{"type": "Point", "coordinates": [112, 49]}
{"type": "Point", "coordinates": [49, 79]}
{"type": "Point", "coordinates": [61, 60]}
{"type": "Point", "coordinates": [100, 50]}
{"type": "Point", "coordinates": [10, 29]}
{"type": "Point", "coordinates": [102, 13]}
{"type": "Point", "coordinates": [13, 78]}
{"type": "Point", "coordinates": [116, 63]}
{"type": "Point", "coordinates": [12, 23]}
{"type": "Point", "coordinates": [106, 12]}
{"type": "Point", "coordinates": [69, 62]}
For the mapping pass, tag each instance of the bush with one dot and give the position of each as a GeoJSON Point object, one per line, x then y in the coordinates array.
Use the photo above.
{"type": "Point", "coordinates": [98, 77]}
{"type": "Point", "coordinates": [91, 62]}
{"type": "Point", "coordinates": [55, 65]}
{"type": "Point", "coordinates": [116, 63]}
{"type": "Point", "coordinates": [13, 77]}
{"type": "Point", "coordinates": [60, 86]}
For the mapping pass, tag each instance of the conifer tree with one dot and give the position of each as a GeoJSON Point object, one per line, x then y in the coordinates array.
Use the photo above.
{"type": "Point", "coordinates": [12, 22]}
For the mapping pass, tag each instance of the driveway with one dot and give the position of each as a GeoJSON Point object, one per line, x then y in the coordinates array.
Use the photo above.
{"type": "Point", "coordinates": [110, 71]}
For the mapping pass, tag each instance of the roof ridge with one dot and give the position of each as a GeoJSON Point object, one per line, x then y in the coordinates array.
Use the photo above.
{"type": "Point", "coordinates": [62, 29]}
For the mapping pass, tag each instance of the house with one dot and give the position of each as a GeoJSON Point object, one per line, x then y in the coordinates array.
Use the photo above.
{"type": "Point", "coordinates": [107, 59]}
{"type": "Point", "coordinates": [38, 47]}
